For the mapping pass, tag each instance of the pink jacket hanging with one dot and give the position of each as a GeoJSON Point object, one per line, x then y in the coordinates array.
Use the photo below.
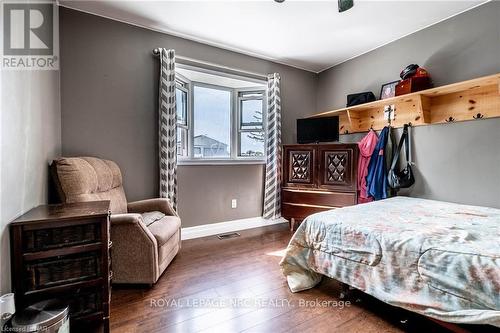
{"type": "Point", "coordinates": [366, 147]}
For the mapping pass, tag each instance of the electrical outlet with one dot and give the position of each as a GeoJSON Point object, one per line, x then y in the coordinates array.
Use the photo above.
{"type": "Point", "coordinates": [234, 203]}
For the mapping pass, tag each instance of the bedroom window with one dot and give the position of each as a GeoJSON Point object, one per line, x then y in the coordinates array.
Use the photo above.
{"type": "Point", "coordinates": [220, 118]}
{"type": "Point", "coordinates": [211, 122]}
{"type": "Point", "coordinates": [181, 96]}
{"type": "Point", "coordinates": [251, 136]}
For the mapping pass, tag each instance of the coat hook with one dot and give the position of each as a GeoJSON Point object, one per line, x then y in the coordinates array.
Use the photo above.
{"type": "Point", "coordinates": [478, 116]}
{"type": "Point", "coordinates": [450, 120]}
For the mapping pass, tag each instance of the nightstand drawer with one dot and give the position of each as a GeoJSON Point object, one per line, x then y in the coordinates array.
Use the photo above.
{"type": "Point", "coordinates": [60, 270]}
{"type": "Point", "coordinates": [51, 238]}
{"type": "Point", "coordinates": [318, 198]}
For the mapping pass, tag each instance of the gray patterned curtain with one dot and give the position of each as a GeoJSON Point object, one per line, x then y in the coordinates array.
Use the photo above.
{"type": "Point", "coordinates": [272, 187]}
{"type": "Point", "coordinates": [168, 127]}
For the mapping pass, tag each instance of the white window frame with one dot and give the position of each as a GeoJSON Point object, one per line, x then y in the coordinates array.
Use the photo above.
{"type": "Point", "coordinates": [235, 114]}
{"type": "Point", "coordinates": [187, 89]}
{"type": "Point", "coordinates": [191, 124]}
{"type": "Point", "coordinates": [240, 130]}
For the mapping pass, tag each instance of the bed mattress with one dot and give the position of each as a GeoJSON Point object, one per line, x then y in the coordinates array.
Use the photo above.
{"type": "Point", "coordinates": [439, 259]}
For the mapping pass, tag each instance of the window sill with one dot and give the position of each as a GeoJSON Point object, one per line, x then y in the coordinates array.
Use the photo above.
{"type": "Point", "coordinates": [219, 162]}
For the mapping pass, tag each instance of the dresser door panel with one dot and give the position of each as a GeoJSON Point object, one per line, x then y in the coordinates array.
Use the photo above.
{"type": "Point", "coordinates": [336, 170]}
{"type": "Point", "coordinates": [299, 165]}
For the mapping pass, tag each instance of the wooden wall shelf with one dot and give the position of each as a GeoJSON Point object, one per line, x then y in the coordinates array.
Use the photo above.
{"type": "Point", "coordinates": [467, 100]}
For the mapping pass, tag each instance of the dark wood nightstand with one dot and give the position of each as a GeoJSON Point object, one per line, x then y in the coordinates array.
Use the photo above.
{"type": "Point", "coordinates": [62, 252]}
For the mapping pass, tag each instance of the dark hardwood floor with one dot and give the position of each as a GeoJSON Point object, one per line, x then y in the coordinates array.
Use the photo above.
{"type": "Point", "coordinates": [245, 269]}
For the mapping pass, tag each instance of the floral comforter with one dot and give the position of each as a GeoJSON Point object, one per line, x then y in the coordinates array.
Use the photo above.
{"type": "Point", "coordinates": [439, 259]}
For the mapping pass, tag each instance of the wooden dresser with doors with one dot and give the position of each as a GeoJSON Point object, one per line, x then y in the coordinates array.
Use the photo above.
{"type": "Point", "coordinates": [317, 177]}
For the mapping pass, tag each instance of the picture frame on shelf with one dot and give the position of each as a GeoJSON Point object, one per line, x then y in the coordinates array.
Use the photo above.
{"type": "Point", "coordinates": [388, 89]}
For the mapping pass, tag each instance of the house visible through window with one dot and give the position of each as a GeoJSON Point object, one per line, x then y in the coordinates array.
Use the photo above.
{"type": "Point", "coordinates": [219, 117]}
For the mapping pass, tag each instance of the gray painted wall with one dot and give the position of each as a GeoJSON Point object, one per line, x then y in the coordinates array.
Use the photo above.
{"type": "Point", "coordinates": [30, 137]}
{"type": "Point", "coordinates": [109, 97]}
{"type": "Point", "coordinates": [207, 199]}
{"type": "Point", "coordinates": [461, 48]}
{"type": "Point", "coordinates": [109, 108]}
{"type": "Point", "coordinates": [454, 162]}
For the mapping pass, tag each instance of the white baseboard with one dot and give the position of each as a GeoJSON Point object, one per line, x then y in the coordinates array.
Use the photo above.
{"type": "Point", "coordinates": [229, 226]}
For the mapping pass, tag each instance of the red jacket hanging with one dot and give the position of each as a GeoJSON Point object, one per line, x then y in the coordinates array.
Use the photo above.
{"type": "Point", "coordinates": [366, 147]}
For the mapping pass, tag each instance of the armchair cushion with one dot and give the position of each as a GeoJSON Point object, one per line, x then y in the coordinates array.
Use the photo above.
{"type": "Point", "coordinates": [80, 179]}
{"type": "Point", "coordinates": [165, 228]}
{"type": "Point", "coordinates": [150, 205]}
{"type": "Point", "coordinates": [151, 217]}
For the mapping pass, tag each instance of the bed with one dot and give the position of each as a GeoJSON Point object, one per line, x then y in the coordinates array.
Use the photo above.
{"type": "Point", "coordinates": [438, 259]}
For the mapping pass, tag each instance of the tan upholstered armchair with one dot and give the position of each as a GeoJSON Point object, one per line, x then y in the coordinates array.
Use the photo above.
{"type": "Point", "coordinates": [145, 234]}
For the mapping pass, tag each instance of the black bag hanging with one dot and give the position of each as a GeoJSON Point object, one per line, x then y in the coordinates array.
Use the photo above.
{"type": "Point", "coordinates": [401, 178]}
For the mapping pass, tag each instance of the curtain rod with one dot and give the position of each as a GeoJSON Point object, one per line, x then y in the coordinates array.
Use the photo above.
{"type": "Point", "coordinates": [211, 64]}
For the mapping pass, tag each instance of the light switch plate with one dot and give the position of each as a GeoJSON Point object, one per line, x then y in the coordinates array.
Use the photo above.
{"type": "Point", "coordinates": [234, 203]}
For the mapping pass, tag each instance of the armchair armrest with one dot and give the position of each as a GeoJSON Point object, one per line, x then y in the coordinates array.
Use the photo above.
{"type": "Point", "coordinates": [135, 250]}
{"type": "Point", "coordinates": [149, 205]}
{"type": "Point", "coordinates": [125, 219]}
{"type": "Point", "coordinates": [132, 221]}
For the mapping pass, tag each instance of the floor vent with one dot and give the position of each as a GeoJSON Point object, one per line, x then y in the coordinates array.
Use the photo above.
{"type": "Point", "coordinates": [228, 235]}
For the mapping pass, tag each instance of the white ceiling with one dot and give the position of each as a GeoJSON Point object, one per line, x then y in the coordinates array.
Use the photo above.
{"type": "Point", "coordinates": [311, 35]}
